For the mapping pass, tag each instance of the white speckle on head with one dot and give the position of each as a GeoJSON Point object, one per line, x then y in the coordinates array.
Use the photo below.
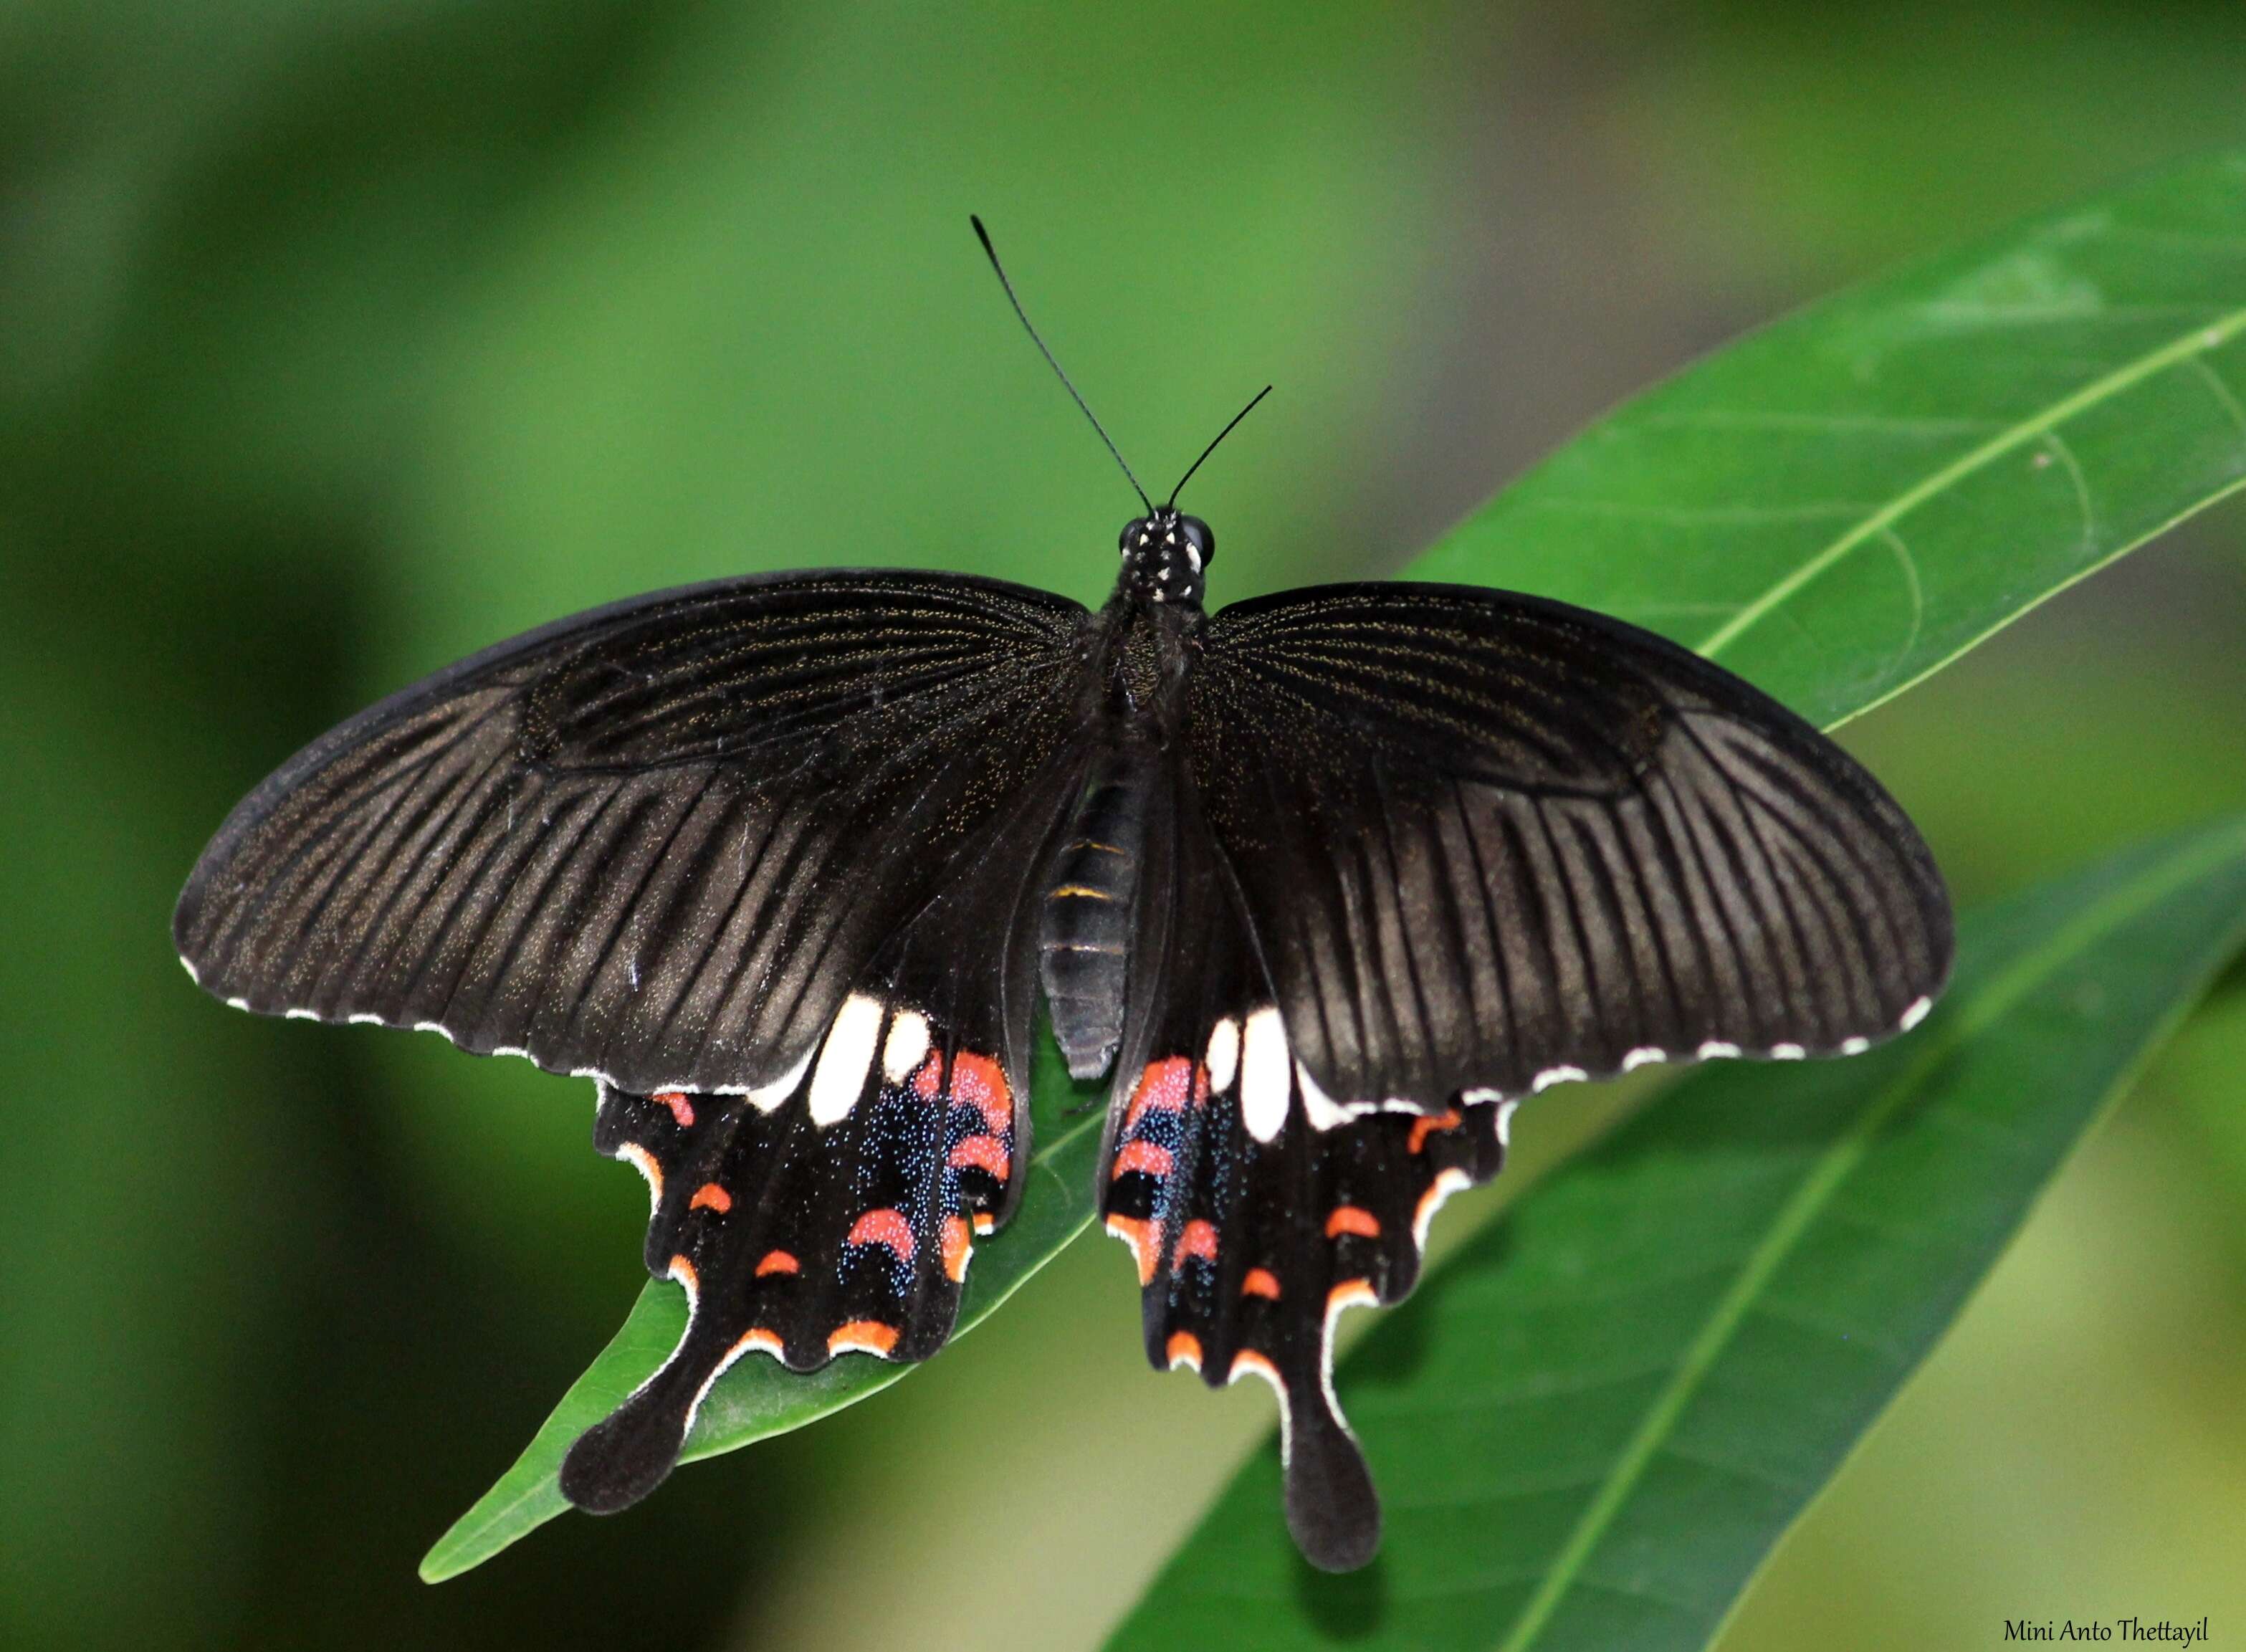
{"type": "Point", "coordinates": [1645, 1056]}
{"type": "Point", "coordinates": [1716, 1047]}
{"type": "Point", "coordinates": [1164, 577]}
{"type": "Point", "coordinates": [1158, 596]}
{"type": "Point", "coordinates": [1193, 555]}
{"type": "Point", "coordinates": [1854, 1046]}
{"type": "Point", "coordinates": [765, 1096]}
{"type": "Point", "coordinates": [906, 1046]}
{"type": "Point", "coordinates": [1264, 1071]}
{"type": "Point", "coordinates": [1543, 1081]}
{"type": "Point", "coordinates": [1916, 1014]}
{"type": "Point", "coordinates": [844, 1058]}
{"type": "Point", "coordinates": [1787, 1053]}
{"type": "Point", "coordinates": [1222, 1057]}
{"type": "Point", "coordinates": [1169, 539]}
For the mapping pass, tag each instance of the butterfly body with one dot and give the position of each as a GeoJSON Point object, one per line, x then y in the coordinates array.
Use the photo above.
{"type": "Point", "coordinates": [1324, 881]}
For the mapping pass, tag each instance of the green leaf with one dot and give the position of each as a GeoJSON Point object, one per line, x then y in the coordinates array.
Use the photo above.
{"type": "Point", "coordinates": [1847, 501]}
{"type": "Point", "coordinates": [1835, 507]}
{"type": "Point", "coordinates": [1601, 1414]}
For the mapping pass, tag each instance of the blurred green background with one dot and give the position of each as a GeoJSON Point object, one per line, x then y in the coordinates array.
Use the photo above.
{"type": "Point", "coordinates": [338, 339]}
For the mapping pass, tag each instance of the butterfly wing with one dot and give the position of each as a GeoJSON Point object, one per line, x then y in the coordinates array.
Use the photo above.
{"type": "Point", "coordinates": [1487, 842]}
{"type": "Point", "coordinates": [658, 843]}
{"type": "Point", "coordinates": [837, 1214]}
{"type": "Point", "coordinates": [1434, 849]}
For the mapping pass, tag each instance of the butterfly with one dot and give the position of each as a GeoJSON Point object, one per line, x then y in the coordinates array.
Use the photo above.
{"type": "Point", "coordinates": [1324, 883]}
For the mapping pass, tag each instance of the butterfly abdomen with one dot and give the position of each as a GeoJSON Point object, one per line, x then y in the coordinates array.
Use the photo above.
{"type": "Point", "coordinates": [1084, 943]}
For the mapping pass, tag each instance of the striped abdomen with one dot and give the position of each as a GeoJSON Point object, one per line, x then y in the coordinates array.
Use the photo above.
{"type": "Point", "coordinates": [1085, 938]}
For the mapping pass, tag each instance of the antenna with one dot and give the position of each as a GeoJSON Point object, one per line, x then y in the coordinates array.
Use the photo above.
{"type": "Point", "coordinates": [1211, 448]}
{"type": "Point", "coordinates": [991, 253]}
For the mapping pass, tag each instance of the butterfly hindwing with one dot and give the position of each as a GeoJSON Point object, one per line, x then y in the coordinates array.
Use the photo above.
{"type": "Point", "coordinates": [836, 1212]}
{"type": "Point", "coordinates": [1487, 842]}
{"type": "Point", "coordinates": [656, 843]}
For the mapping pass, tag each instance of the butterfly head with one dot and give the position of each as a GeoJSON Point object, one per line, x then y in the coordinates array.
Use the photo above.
{"type": "Point", "coordinates": [1166, 556]}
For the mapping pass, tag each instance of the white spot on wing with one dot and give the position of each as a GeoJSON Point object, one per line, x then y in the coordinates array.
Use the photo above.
{"type": "Point", "coordinates": [764, 1098]}
{"type": "Point", "coordinates": [188, 964]}
{"type": "Point", "coordinates": [1264, 1071]}
{"type": "Point", "coordinates": [1787, 1053]}
{"type": "Point", "coordinates": [844, 1058]}
{"type": "Point", "coordinates": [1916, 1014]}
{"type": "Point", "coordinates": [1543, 1081]}
{"type": "Point", "coordinates": [1854, 1046]}
{"type": "Point", "coordinates": [301, 1015]}
{"type": "Point", "coordinates": [643, 1161]}
{"type": "Point", "coordinates": [1505, 1123]}
{"type": "Point", "coordinates": [237, 1003]}
{"type": "Point", "coordinates": [1643, 1057]}
{"type": "Point", "coordinates": [1716, 1047]}
{"type": "Point", "coordinates": [1222, 1057]}
{"type": "Point", "coordinates": [1246, 1364]}
{"type": "Point", "coordinates": [1321, 1110]}
{"type": "Point", "coordinates": [906, 1046]}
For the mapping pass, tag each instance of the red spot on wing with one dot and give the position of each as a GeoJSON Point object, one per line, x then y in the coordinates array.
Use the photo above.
{"type": "Point", "coordinates": [1199, 1239]}
{"type": "Point", "coordinates": [956, 1249]}
{"type": "Point", "coordinates": [1169, 1085]}
{"type": "Point", "coordinates": [778, 1261]}
{"type": "Point", "coordinates": [1261, 1281]}
{"type": "Point", "coordinates": [1144, 1157]}
{"type": "Point", "coordinates": [928, 1081]}
{"type": "Point", "coordinates": [1135, 1233]}
{"type": "Point", "coordinates": [986, 1223]}
{"type": "Point", "coordinates": [1429, 1125]}
{"type": "Point", "coordinates": [1352, 1219]}
{"type": "Point", "coordinates": [681, 1108]}
{"type": "Point", "coordinates": [862, 1336]}
{"type": "Point", "coordinates": [883, 1228]}
{"type": "Point", "coordinates": [981, 1152]}
{"type": "Point", "coordinates": [710, 1196]}
{"type": "Point", "coordinates": [980, 1083]}
{"type": "Point", "coordinates": [1184, 1348]}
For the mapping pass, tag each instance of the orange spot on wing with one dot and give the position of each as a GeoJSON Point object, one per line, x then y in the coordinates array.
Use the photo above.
{"type": "Point", "coordinates": [1184, 1348]}
{"type": "Point", "coordinates": [956, 1249]}
{"type": "Point", "coordinates": [862, 1336]}
{"type": "Point", "coordinates": [1134, 1233]}
{"type": "Point", "coordinates": [638, 1157]}
{"type": "Point", "coordinates": [1198, 1240]}
{"type": "Point", "coordinates": [1261, 1281]}
{"type": "Point", "coordinates": [1143, 1157]}
{"type": "Point", "coordinates": [710, 1196]}
{"type": "Point", "coordinates": [681, 1108]}
{"type": "Point", "coordinates": [928, 1081]}
{"type": "Point", "coordinates": [682, 1271]}
{"type": "Point", "coordinates": [980, 1083]}
{"type": "Point", "coordinates": [883, 1228]}
{"type": "Point", "coordinates": [980, 1153]}
{"type": "Point", "coordinates": [1167, 1085]}
{"type": "Point", "coordinates": [1248, 1360]}
{"type": "Point", "coordinates": [1429, 1125]}
{"type": "Point", "coordinates": [984, 1222]}
{"type": "Point", "coordinates": [1352, 1293]}
{"type": "Point", "coordinates": [778, 1261]}
{"type": "Point", "coordinates": [1352, 1219]}
{"type": "Point", "coordinates": [759, 1339]}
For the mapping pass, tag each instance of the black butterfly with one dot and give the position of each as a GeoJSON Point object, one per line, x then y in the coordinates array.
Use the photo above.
{"type": "Point", "coordinates": [1327, 881]}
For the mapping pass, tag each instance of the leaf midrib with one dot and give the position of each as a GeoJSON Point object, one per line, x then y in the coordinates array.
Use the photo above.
{"type": "Point", "coordinates": [2197, 341]}
{"type": "Point", "coordinates": [1809, 1200]}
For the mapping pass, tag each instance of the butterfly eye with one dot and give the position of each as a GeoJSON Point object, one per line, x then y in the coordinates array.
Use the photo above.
{"type": "Point", "coordinates": [1196, 533]}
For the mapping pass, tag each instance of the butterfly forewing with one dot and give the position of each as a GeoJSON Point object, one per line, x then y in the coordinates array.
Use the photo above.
{"type": "Point", "coordinates": [658, 843]}
{"type": "Point", "coordinates": [1487, 842]}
